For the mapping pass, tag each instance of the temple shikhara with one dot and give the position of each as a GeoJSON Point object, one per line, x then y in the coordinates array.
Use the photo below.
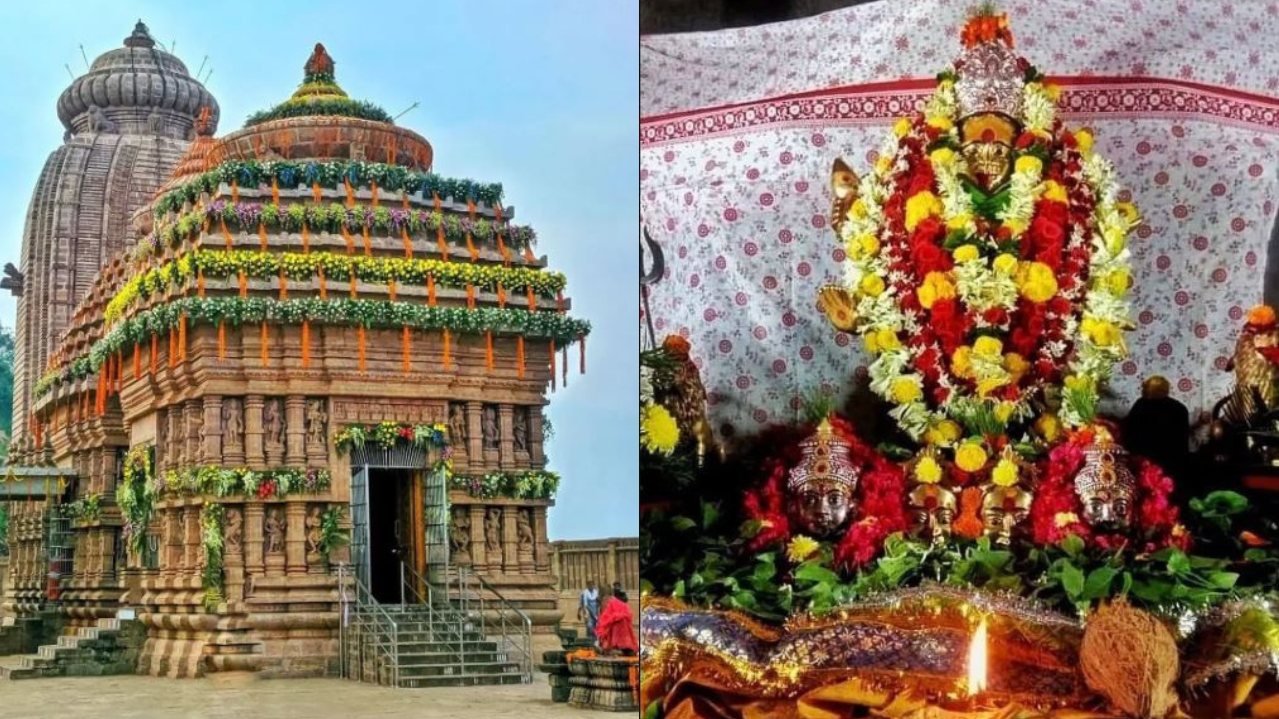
{"type": "Point", "coordinates": [975, 526]}
{"type": "Point", "coordinates": [279, 395]}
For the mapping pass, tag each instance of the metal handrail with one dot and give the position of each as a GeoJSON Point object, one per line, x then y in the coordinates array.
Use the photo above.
{"type": "Point", "coordinates": [368, 615]}
{"type": "Point", "coordinates": [452, 622]}
{"type": "Point", "coordinates": [523, 644]}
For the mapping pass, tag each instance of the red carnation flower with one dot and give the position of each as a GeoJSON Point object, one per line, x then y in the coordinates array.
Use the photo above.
{"type": "Point", "coordinates": [949, 324]}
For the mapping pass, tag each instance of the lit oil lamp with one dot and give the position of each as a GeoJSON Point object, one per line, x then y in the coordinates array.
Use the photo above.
{"type": "Point", "coordinates": [977, 661]}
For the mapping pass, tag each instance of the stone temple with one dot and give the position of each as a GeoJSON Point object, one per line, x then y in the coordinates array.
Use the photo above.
{"type": "Point", "coordinates": [278, 404]}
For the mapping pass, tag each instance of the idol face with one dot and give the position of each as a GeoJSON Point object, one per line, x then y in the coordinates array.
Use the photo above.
{"type": "Point", "coordinates": [1107, 509]}
{"type": "Point", "coordinates": [822, 508]}
{"type": "Point", "coordinates": [988, 162]}
{"type": "Point", "coordinates": [1004, 511]}
{"type": "Point", "coordinates": [932, 512]}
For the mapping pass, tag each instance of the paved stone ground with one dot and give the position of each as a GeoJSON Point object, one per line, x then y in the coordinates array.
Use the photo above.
{"type": "Point", "coordinates": [246, 697]}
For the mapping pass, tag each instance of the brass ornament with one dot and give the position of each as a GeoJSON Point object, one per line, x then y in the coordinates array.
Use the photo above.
{"type": "Point", "coordinates": [837, 305]}
{"type": "Point", "coordinates": [1004, 511]}
{"type": "Point", "coordinates": [931, 509]}
{"type": "Point", "coordinates": [843, 191]}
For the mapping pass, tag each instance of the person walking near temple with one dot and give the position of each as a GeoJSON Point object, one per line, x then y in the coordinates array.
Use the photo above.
{"type": "Point", "coordinates": [616, 626]}
{"type": "Point", "coordinates": [588, 608]}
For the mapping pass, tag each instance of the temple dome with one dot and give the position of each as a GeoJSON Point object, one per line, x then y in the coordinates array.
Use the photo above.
{"type": "Point", "coordinates": [136, 89]}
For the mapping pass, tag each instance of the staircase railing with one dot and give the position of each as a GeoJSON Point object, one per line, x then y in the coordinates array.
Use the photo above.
{"type": "Point", "coordinates": [366, 625]}
{"type": "Point", "coordinates": [443, 619]}
{"type": "Point", "coordinates": [515, 626]}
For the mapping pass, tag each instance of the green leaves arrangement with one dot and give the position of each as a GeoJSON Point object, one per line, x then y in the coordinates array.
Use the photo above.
{"type": "Point", "coordinates": [332, 536]}
{"type": "Point", "coordinates": [531, 484]}
{"type": "Point", "coordinates": [291, 175]}
{"type": "Point", "coordinates": [373, 314]}
{"type": "Point", "coordinates": [137, 493]}
{"type": "Point", "coordinates": [86, 509]}
{"type": "Point", "coordinates": [212, 518]}
{"type": "Point", "coordinates": [222, 264]}
{"type": "Point", "coordinates": [325, 106]}
{"type": "Point", "coordinates": [222, 481]}
{"type": "Point", "coordinates": [387, 433]}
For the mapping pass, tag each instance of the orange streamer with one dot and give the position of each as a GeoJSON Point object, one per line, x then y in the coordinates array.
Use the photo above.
{"type": "Point", "coordinates": [552, 365]}
{"type": "Point", "coordinates": [284, 283]}
{"type": "Point", "coordinates": [244, 284]}
{"type": "Point", "coordinates": [368, 248]}
{"type": "Point", "coordinates": [315, 191]}
{"type": "Point", "coordinates": [182, 337]}
{"type": "Point", "coordinates": [262, 235]}
{"type": "Point", "coordinates": [265, 359]}
{"type": "Point", "coordinates": [559, 302]}
{"type": "Point", "coordinates": [470, 296]}
{"type": "Point", "coordinates": [439, 239]}
{"type": "Point", "coordinates": [350, 241]}
{"type": "Point", "coordinates": [173, 349]}
{"type": "Point", "coordinates": [501, 296]}
{"type": "Point", "coordinates": [155, 351]}
{"type": "Point", "coordinates": [306, 240]}
{"type": "Point", "coordinates": [350, 193]}
{"type": "Point", "coordinates": [324, 292]}
{"type": "Point", "coordinates": [221, 339]}
{"type": "Point", "coordinates": [227, 234]}
{"type": "Point", "coordinates": [199, 282]}
{"type": "Point", "coordinates": [488, 351]}
{"type": "Point", "coordinates": [519, 354]}
{"type": "Point", "coordinates": [361, 332]}
{"type": "Point", "coordinates": [306, 343]}
{"type": "Point", "coordinates": [528, 255]}
{"type": "Point", "coordinates": [407, 349]}
{"type": "Point", "coordinates": [352, 284]}
{"type": "Point", "coordinates": [446, 349]}
{"type": "Point", "coordinates": [137, 360]}
{"type": "Point", "coordinates": [532, 301]}
{"type": "Point", "coordinates": [275, 191]}
{"type": "Point", "coordinates": [436, 195]}
{"type": "Point", "coordinates": [235, 191]}
{"type": "Point", "coordinates": [404, 197]}
{"type": "Point", "coordinates": [430, 290]}
{"type": "Point", "coordinates": [373, 187]}
{"type": "Point", "coordinates": [408, 244]}
{"type": "Point", "coordinates": [390, 287]}
{"type": "Point", "coordinates": [470, 247]}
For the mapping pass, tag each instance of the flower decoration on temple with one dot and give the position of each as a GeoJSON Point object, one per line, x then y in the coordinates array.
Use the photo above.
{"type": "Point", "coordinates": [986, 261]}
{"type": "Point", "coordinates": [387, 434]}
{"type": "Point", "coordinates": [829, 486]}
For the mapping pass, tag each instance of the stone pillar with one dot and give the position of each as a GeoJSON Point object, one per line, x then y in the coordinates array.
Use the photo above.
{"type": "Point", "coordinates": [510, 540]}
{"type": "Point", "coordinates": [177, 437]}
{"type": "Point", "coordinates": [478, 551]}
{"type": "Point", "coordinates": [194, 421]}
{"type": "Point", "coordinates": [505, 435]}
{"type": "Point", "coordinates": [541, 557]}
{"type": "Point", "coordinates": [475, 437]}
{"type": "Point", "coordinates": [212, 429]}
{"type": "Point", "coordinates": [536, 457]}
{"type": "Point", "coordinates": [295, 537]}
{"type": "Point", "coordinates": [191, 544]}
{"type": "Point", "coordinates": [295, 431]}
{"type": "Point", "coordinates": [254, 455]}
{"type": "Point", "coordinates": [233, 555]}
{"type": "Point", "coordinates": [253, 560]}
{"type": "Point", "coordinates": [275, 561]}
{"type": "Point", "coordinates": [170, 542]}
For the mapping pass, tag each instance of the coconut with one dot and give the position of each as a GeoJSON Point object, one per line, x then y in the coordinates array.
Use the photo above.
{"type": "Point", "coordinates": [1130, 658]}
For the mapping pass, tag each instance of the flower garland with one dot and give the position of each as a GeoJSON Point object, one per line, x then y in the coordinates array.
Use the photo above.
{"type": "Point", "coordinates": [972, 301]}
{"type": "Point", "coordinates": [333, 174]}
{"type": "Point", "coordinates": [212, 518]}
{"type": "Point", "coordinates": [221, 264]}
{"type": "Point", "coordinates": [327, 107]}
{"type": "Point", "coordinates": [334, 218]}
{"type": "Point", "coordinates": [880, 510]}
{"type": "Point", "coordinates": [87, 509]}
{"type": "Point", "coordinates": [222, 481]}
{"type": "Point", "coordinates": [137, 494]}
{"type": "Point", "coordinates": [530, 484]}
{"type": "Point", "coordinates": [372, 314]}
{"type": "Point", "coordinates": [387, 434]}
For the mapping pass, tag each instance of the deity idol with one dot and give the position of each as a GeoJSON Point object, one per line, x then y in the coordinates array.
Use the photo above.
{"type": "Point", "coordinates": [1004, 511]}
{"type": "Point", "coordinates": [823, 484]}
{"type": "Point", "coordinates": [1106, 486]}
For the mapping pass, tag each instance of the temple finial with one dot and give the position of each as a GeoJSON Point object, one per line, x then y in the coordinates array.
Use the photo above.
{"type": "Point", "coordinates": [319, 66]}
{"type": "Point", "coordinates": [141, 36]}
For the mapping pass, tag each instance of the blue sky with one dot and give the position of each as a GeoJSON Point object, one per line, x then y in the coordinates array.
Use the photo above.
{"type": "Point", "coordinates": [540, 96]}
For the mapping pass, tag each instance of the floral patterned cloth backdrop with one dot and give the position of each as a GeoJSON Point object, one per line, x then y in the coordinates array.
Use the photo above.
{"type": "Point", "coordinates": [741, 128]}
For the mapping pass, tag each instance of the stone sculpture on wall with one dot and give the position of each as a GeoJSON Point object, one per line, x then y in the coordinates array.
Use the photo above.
{"type": "Point", "coordinates": [176, 435]}
{"type": "Point", "coordinates": [457, 424]}
{"type": "Point", "coordinates": [316, 419]}
{"type": "Point", "coordinates": [273, 531]}
{"type": "Point", "coordinates": [521, 429]}
{"type": "Point", "coordinates": [233, 423]}
{"type": "Point", "coordinates": [493, 533]}
{"type": "Point", "coordinates": [489, 425]}
{"type": "Point", "coordinates": [460, 535]}
{"type": "Point", "coordinates": [234, 530]}
{"type": "Point", "coordinates": [313, 522]}
{"type": "Point", "coordinates": [99, 122]}
{"type": "Point", "coordinates": [273, 421]}
{"type": "Point", "coordinates": [524, 530]}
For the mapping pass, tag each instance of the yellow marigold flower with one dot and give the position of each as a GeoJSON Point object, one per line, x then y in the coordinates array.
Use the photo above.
{"type": "Point", "coordinates": [920, 207]}
{"type": "Point", "coordinates": [1118, 282]}
{"type": "Point", "coordinates": [1036, 281]}
{"type": "Point", "coordinates": [1004, 410]}
{"type": "Point", "coordinates": [1028, 164]}
{"type": "Point", "coordinates": [1048, 426]}
{"type": "Point", "coordinates": [927, 470]}
{"type": "Point", "coordinates": [1102, 334]}
{"type": "Point", "coordinates": [942, 156]}
{"type": "Point", "coordinates": [906, 389]}
{"type": "Point", "coordinates": [941, 123]}
{"type": "Point", "coordinates": [1129, 211]}
{"type": "Point", "coordinates": [801, 548]}
{"type": "Point", "coordinates": [1016, 365]}
{"type": "Point", "coordinates": [887, 339]}
{"type": "Point", "coordinates": [1005, 264]}
{"type": "Point", "coordinates": [869, 244]}
{"type": "Point", "coordinates": [1083, 138]}
{"type": "Point", "coordinates": [1016, 227]}
{"type": "Point", "coordinates": [1054, 191]}
{"type": "Point", "coordinates": [936, 286]}
{"type": "Point", "coordinates": [1005, 473]}
{"type": "Point", "coordinates": [990, 384]}
{"type": "Point", "coordinates": [872, 342]}
{"type": "Point", "coordinates": [959, 222]}
{"type": "Point", "coordinates": [902, 128]}
{"type": "Point", "coordinates": [1116, 238]}
{"type": "Point", "coordinates": [988, 346]}
{"type": "Point", "coordinates": [658, 431]}
{"type": "Point", "coordinates": [1065, 519]}
{"type": "Point", "coordinates": [1053, 92]}
{"type": "Point", "coordinates": [1076, 381]}
{"type": "Point", "coordinates": [970, 456]}
{"type": "Point", "coordinates": [961, 363]}
{"type": "Point", "coordinates": [949, 429]}
{"type": "Point", "coordinates": [857, 210]}
{"type": "Point", "coordinates": [872, 285]}
{"type": "Point", "coordinates": [883, 164]}
{"type": "Point", "coordinates": [966, 253]}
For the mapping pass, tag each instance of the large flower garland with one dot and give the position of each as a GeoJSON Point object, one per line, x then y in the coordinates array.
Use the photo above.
{"type": "Point", "coordinates": [973, 301]}
{"type": "Point", "coordinates": [880, 508]}
{"type": "Point", "coordinates": [221, 264]}
{"type": "Point", "coordinates": [137, 494]}
{"type": "Point", "coordinates": [373, 314]}
{"type": "Point", "coordinates": [221, 481]}
{"type": "Point", "coordinates": [332, 174]}
{"type": "Point", "coordinates": [327, 106]}
{"type": "Point", "coordinates": [387, 434]}
{"type": "Point", "coordinates": [530, 484]}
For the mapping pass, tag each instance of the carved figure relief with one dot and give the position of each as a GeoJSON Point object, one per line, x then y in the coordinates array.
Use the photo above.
{"type": "Point", "coordinates": [99, 122]}
{"type": "Point", "coordinates": [524, 530]}
{"type": "Point", "coordinates": [521, 429]}
{"type": "Point", "coordinates": [489, 425]}
{"type": "Point", "coordinates": [493, 533]}
{"type": "Point", "coordinates": [460, 534]}
{"type": "Point", "coordinates": [232, 423]}
{"type": "Point", "coordinates": [273, 531]}
{"type": "Point", "coordinates": [234, 530]}
{"type": "Point", "coordinates": [313, 522]}
{"type": "Point", "coordinates": [154, 122]}
{"type": "Point", "coordinates": [176, 435]}
{"type": "Point", "coordinates": [316, 420]}
{"type": "Point", "coordinates": [457, 424]}
{"type": "Point", "coordinates": [273, 421]}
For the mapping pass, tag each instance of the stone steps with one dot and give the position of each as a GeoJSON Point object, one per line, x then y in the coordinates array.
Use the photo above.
{"type": "Point", "coordinates": [91, 651]}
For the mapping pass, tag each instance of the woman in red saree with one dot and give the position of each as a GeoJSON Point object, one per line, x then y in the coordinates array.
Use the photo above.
{"type": "Point", "coordinates": [615, 626]}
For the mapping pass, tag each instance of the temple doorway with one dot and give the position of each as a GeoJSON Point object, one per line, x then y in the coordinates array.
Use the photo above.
{"type": "Point", "coordinates": [395, 530]}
